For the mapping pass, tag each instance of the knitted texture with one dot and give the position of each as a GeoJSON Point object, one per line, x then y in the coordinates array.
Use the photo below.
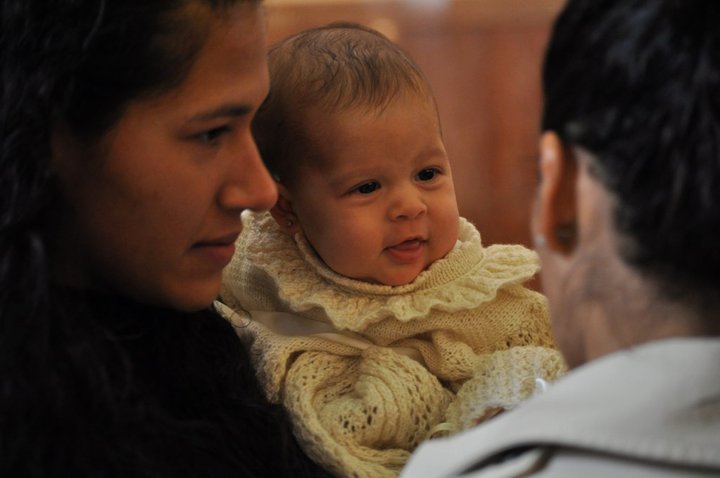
{"type": "Point", "coordinates": [377, 366]}
{"type": "Point", "coordinates": [501, 381]}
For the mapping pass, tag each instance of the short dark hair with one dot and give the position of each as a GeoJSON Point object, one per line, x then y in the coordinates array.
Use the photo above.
{"type": "Point", "coordinates": [333, 68]}
{"type": "Point", "coordinates": [636, 83]}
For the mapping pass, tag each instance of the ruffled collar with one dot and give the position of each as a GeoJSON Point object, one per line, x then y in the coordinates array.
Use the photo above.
{"type": "Point", "coordinates": [468, 276]}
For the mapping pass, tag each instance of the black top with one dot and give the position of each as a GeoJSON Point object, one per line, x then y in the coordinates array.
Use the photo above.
{"type": "Point", "coordinates": [134, 390]}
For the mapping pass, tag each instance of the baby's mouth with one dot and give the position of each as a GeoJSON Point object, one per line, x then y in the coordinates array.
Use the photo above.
{"type": "Point", "coordinates": [408, 250]}
{"type": "Point", "coordinates": [409, 245]}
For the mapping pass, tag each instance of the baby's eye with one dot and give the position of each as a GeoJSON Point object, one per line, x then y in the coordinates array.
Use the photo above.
{"type": "Point", "coordinates": [367, 188]}
{"type": "Point", "coordinates": [427, 174]}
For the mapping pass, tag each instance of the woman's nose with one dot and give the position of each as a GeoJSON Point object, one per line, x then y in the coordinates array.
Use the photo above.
{"type": "Point", "coordinates": [249, 184]}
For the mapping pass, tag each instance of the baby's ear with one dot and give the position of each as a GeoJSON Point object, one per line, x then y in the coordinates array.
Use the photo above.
{"type": "Point", "coordinates": [283, 212]}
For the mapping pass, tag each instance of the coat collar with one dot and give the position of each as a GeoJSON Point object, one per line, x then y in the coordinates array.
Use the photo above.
{"type": "Point", "coordinates": [658, 402]}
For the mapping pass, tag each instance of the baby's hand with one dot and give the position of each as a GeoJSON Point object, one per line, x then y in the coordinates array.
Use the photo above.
{"type": "Point", "coordinates": [487, 415]}
{"type": "Point", "coordinates": [501, 380]}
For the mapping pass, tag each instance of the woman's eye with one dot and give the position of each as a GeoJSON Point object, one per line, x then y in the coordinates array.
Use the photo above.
{"type": "Point", "coordinates": [367, 188]}
{"type": "Point", "coordinates": [427, 174]}
{"type": "Point", "coordinates": [212, 135]}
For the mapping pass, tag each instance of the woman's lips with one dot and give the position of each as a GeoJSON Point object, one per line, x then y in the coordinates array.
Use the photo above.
{"type": "Point", "coordinates": [218, 251]}
{"type": "Point", "coordinates": [407, 251]}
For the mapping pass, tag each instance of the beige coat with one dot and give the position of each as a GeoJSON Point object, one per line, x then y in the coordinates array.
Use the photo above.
{"type": "Point", "coordinates": [650, 411]}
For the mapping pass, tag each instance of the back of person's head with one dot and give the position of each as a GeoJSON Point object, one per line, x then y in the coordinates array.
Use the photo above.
{"type": "Point", "coordinates": [330, 69]}
{"type": "Point", "coordinates": [636, 83]}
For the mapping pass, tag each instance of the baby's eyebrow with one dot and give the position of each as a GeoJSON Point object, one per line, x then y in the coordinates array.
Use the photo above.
{"type": "Point", "coordinates": [352, 175]}
{"type": "Point", "coordinates": [431, 153]}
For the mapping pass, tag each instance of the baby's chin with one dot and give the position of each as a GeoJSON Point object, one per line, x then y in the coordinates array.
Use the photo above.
{"type": "Point", "coordinates": [395, 275]}
{"type": "Point", "coordinates": [400, 281]}
{"type": "Point", "coordinates": [395, 278]}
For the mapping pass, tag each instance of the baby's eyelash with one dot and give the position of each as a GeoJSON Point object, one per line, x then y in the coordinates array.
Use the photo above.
{"type": "Point", "coordinates": [366, 188]}
{"type": "Point", "coordinates": [428, 174]}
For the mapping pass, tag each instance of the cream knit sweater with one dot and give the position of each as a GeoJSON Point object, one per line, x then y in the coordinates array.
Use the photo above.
{"type": "Point", "coordinates": [368, 371]}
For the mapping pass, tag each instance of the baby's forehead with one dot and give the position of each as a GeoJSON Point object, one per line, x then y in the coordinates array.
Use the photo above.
{"type": "Point", "coordinates": [324, 117]}
{"type": "Point", "coordinates": [356, 132]}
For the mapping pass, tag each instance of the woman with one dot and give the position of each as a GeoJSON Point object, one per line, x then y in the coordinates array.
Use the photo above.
{"type": "Point", "coordinates": [126, 160]}
{"type": "Point", "coordinates": [627, 224]}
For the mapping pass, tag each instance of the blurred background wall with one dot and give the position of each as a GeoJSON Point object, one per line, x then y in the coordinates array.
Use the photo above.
{"type": "Point", "coordinates": [482, 58]}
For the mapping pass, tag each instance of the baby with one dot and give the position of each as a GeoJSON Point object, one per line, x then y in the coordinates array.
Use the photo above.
{"type": "Point", "coordinates": [374, 314]}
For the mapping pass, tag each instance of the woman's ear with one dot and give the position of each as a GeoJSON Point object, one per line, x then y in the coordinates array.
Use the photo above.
{"type": "Point", "coordinates": [283, 212]}
{"type": "Point", "coordinates": [555, 218]}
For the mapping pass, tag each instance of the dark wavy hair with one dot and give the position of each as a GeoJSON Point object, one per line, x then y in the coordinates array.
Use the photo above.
{"type": "Point", "coordinates": [637, 84]}
{"type": "Point", "coordinates": [79, 63]}
{"type": "Point", "coordinates": [84, 392]}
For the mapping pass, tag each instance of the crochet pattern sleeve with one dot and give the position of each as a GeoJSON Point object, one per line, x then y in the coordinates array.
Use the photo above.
{"type": "Point", "coordinates": [359, 407]}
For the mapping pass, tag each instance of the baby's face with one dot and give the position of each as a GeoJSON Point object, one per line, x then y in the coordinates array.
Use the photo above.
{"type": "Point", "coordinates": [384, 207]}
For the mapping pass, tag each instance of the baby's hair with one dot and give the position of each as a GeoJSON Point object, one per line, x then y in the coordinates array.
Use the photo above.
{"type": "Point", "coordinates": [334, 68]}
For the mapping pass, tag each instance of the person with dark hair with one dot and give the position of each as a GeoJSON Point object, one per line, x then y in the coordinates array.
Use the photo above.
{"type": "Point", "coordinates": [374, 313]}
{"type": "Point", "coordinates": [126, 158]}
{"type": "Point", "coordinates": [626, 222]}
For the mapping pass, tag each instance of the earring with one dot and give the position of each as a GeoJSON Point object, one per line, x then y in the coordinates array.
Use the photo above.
{"type": "Point", "coordinates": [289, 223]}
{"type": "Point", "coordinates": [539, 241]}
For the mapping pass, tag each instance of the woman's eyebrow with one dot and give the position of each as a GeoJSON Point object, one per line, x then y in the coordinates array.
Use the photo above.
{"type": "Point", "coordinates": [233, 110]}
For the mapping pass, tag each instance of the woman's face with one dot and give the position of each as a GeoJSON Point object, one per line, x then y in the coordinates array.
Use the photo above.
{"type": "Point", "coordinates": [154, 208]}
